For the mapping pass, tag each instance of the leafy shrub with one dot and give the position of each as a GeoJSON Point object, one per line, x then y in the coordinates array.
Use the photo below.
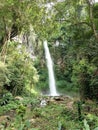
{"type": "Point", "coordinates": [6, 98]}
{"type": "Point", "coordinates": [86, 125]}
{"type": "Point", "coordinates": [83, 77]}
{"type": "Point", "coordinates": [19, 74]}
{"type": "Point", "coordinates": [21, 110]}
{"type": "Point", "coordinates": [4, 75]}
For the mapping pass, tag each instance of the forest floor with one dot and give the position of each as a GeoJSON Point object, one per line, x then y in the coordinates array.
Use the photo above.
{"type": "Point", "coordinates": [49, 113]}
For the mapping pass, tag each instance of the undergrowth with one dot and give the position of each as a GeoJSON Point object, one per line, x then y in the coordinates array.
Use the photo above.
{"type": "Point", "coordinates": [27, 114]}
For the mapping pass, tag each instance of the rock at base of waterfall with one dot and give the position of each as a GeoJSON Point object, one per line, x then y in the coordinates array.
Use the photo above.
{"type": "Point", "coordinates": [43, 103]}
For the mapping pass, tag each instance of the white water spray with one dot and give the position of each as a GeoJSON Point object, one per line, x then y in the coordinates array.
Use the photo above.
{"type": "Point", "coordinates": [52, 85]}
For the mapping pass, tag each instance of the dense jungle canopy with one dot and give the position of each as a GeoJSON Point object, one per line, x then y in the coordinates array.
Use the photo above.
{"type": "Point", "coordinates": [71, 29]}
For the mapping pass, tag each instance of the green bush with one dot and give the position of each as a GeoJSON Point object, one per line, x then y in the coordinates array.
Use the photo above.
{"type": "Point", "coordinates": [4, 75]}
{"type": "Point", "coordinates": [18, 74]}
{"type": "Point", "coordinates": [6, 98]}
{"type": "Point", "coordinates": [84, 78]}
{"type": "Point", "coordinates": [21, 67]}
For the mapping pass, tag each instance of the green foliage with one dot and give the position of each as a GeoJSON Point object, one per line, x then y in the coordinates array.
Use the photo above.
{"type": "Point", "coordinates": [17, 16]}
{"type": "Point", "coordinates": [4, 75]}
{"type": "Point", "coordinates": [95, 10]}
{"type": "Point", "coordinates": [75, 62]}
{"type": "Point", "coordinates": [8, 102]}
{"type": "Point", "coordinates": [96, 128]}
{"type": "Point", "coordinates": [82, 77]}
{"type": "Point", "coordinates": [21, 110]}
{"type": "Point", "coordinates": [18, 74]}
{"type": "Point", "coordinates": [91, 119]}
{"type": "Point", "coordinates": [75, 58]}
{"type": "Point", "coordinates": [42, 85]}
{"type": "Point", "coordinates": [28, 113]}
{"type": "Point", "coordinates": [6, 98]}
{"type": "Point", "coordinates": [86, 125]}
{"type": "Point", "coordinates": [23, 72]}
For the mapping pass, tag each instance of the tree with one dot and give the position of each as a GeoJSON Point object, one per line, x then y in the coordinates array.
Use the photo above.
{"type": "Point", "coordinates": [77, 36]}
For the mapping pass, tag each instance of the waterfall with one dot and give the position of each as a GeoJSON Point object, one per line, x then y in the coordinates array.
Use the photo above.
{"type": "Point", "coordinates": [52, 85]}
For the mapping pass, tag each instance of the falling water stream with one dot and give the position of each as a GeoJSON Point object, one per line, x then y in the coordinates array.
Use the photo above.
{"type": "Point", "coordinates": [52, 85]}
